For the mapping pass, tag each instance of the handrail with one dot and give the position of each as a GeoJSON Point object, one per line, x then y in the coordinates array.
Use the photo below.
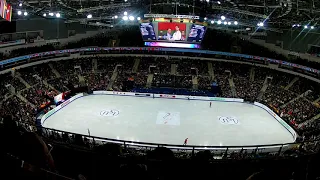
{"type": "Point", "coordinates": [157, 49]}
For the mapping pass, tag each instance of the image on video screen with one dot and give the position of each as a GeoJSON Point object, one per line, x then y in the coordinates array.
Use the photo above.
{"type": "Point", "coordinates": [196, 33]}
{"type": "Point", "coordinates": [171, 31]}
{"type": "Point", "coordinates": [147, 31]}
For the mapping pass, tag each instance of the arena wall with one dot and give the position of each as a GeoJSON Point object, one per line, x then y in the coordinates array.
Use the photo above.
{"type": "Point", "coordinates": [281, 121]}
{"type": "Point", "coordinates": [56, 109]}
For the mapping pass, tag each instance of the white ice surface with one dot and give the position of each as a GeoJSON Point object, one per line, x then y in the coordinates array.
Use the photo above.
{"type": "Point", "coordinates": [138, 120]}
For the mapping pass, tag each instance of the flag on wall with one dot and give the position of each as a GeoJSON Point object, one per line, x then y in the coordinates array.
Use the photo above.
{"type": "Point", "coordinates": [5, 10]}
{"type": "Point", "coordinates": [8, 13]}
{"type": "Point", "coordinates": [1, 7]}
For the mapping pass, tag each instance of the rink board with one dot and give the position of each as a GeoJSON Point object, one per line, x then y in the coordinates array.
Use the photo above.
{"type": "Point", "coordinates": [169, 119]}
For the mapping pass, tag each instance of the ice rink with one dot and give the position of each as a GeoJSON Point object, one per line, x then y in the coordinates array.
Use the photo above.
{"type": "Point", "coordinates": [170, 121]}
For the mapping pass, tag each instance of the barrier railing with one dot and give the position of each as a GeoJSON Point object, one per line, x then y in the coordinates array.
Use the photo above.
{"type": "Point", "coordinates": [141, 147]}
{"type": "Point", "coordinates": [154, 50]}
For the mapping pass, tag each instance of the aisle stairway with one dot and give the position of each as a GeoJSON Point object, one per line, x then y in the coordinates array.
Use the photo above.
{"type": "Point", "coordinates": [113, 78]}
{"type": "Point", "coordinates": [232, 86]}
{"type": "Point", "coordinates": [49, 85]}
{"type": "Point", "coordinates": [210, 70]}
{"type": "Point", "coordinates": [263, 89]}
{"type": "Point", "coordinates": [173, 69]}
{"type": "Point", "coordinates": [25, 100]}
{"type": "Point", "coordinates": [55, 72]}
{"type": "Point", "coordinates": [136, 65]}
{"type": "Point", "coordinates": [149, 80]}
{"type": "Point", "coordinates": [94, 65]}
{"type": "Point", "coordinates": [252, 73]}
{"type": "Point", "coordinates": [194, 82]}
{"type": "Point", "coordinates": [22, 80]}
{"type": "Point", "coordinates": [291, 83]}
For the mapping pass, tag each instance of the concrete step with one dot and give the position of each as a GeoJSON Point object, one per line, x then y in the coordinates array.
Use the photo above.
{"type": "Point", "coordinates": [25, 100]}
{"type": "Point", "coordinates": [194, 82]}
{"type": "Point", "coordinates": [113, 78]}
{"type": "Point", "coordinates": [55, 72]}
{"type": "Point", "coordinates": [23, 81]}
{"type": "Point", "coordinates": [149, 80]}
{"type": "Point", "coordinates": [291, 83]}
{"type": "Point", "coordinates": [136, 65]}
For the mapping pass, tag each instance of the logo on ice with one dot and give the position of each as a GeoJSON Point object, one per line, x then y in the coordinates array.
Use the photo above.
{"type": "Point", "coordinates": [110, 113]}
{"type": "Point", "coordinates": [228, 120]}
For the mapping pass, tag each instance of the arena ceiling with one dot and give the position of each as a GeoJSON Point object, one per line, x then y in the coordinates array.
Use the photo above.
{"type": "Point", "coordinates": [275, 13]}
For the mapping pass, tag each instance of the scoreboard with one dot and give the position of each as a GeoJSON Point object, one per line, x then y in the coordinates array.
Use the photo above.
{"type": "Point", "coordinates": [181, 31]}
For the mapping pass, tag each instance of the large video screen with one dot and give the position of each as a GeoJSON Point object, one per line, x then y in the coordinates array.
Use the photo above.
{"type": "Point", "coordinates": [173, 32]}
{"type": "Point", "coordinates": [147, 32]}
{"type": "Point", "coordinates": [196, 33]}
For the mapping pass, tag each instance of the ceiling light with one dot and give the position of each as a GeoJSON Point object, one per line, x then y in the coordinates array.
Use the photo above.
{"type": "Point", "coordinates": [306, 27]}
{"type": "Point", "coordinates": [19, 12]}
{"type": "Point", "coordinates": [125, 13]}
{"type": "Point", "coordinates": [89, 16]}
{"type": "Point", "coordinates": [205, 18]}
{"type": "Point", "coordinates": [51, 14]}
{"type": "Point", "coordinates": [58, 15]}
{"type": "Point", "coordinates": [219, 22]}
{"type": "Point", "coordinates": [44, 15]}
{"type": "Point", "coordinates": [236, 23]}
{"type": "Point", "coordinates": [212, 22]}
{"type": "Point", "coordinates": [25, 13]}
{"type": "Point", "coordinates": [131, 18]}
{"type": "Point", "coordinates": [20, 4]}
{"type": "Point", "coordinates": [138, 18]}
{"type": "Point", "coordinates": [223, 17]}
{"type": "Point", "coordinates": [219, 2]}
{"type": "Point", "coordinates": [125, 18]}
{"type": "Point", "coordinates": [116, 17]}
{"type": "Point", "coordinates": [312, 27]}
{"type": "Point", "coordinates": [229, 23]}
{"type": "Point", "coordinates": [225, 23]}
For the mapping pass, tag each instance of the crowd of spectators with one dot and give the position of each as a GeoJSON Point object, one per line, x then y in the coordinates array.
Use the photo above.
{"type": "Point", "coordinates": [97, 81]}
{"type": "Point", "coordinates": [245, 88]}
{"type": "Point", "coordinates": [39, 94]}
{"type": "Point", "coordinates": [300, 110]}
{"type": "Point", "coordinates": [97, 72]}
{"type": "Point", "coordinates": [19, 110]}
{"type": "Point", "coordinates": [204, 82]}
{"type": "Point", "coordinates": [277, 96]}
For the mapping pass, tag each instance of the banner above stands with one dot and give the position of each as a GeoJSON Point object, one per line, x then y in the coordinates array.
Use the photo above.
{"type": "Point", "coordinates": [150, 49]}
{"type": "Point", "coordinates": [167, 96]}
